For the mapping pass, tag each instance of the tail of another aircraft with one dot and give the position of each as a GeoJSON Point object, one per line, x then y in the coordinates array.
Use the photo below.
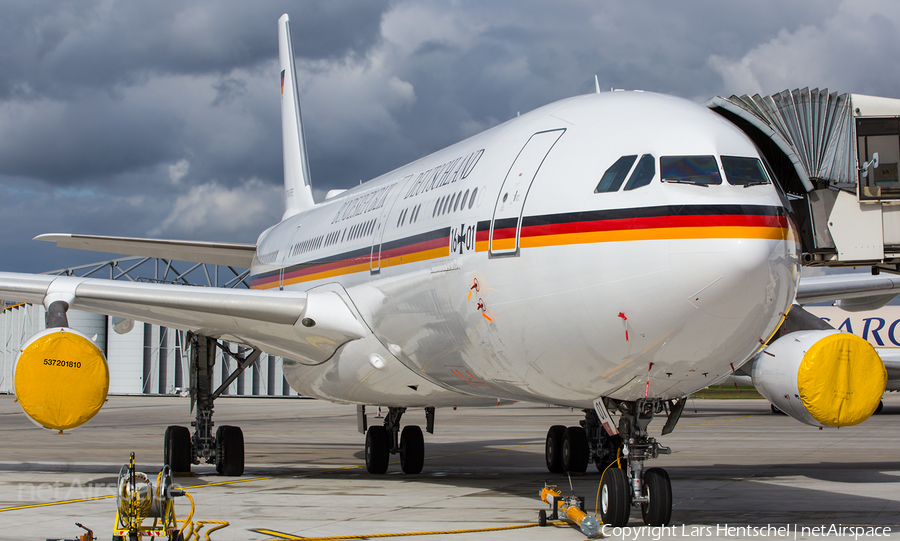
{"type": "Point", "coordinates": [297, 187]}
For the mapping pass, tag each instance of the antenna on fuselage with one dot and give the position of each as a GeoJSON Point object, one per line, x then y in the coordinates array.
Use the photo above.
{"type": "Point", "coordinates": [297, 186]}
{"type": "Point", "coordinates": [597, 83]}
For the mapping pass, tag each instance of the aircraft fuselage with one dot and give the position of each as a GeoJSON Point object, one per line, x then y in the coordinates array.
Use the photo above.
{"type": "Point", "coordinates": [492, 268]}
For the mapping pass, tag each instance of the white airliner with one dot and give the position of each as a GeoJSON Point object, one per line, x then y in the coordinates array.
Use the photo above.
{"type": "Point", "coordinates": [611, 252]}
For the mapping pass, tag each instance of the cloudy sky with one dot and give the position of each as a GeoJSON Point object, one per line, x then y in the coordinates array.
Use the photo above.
{"type": "Point", "coordinates": [162, 118]}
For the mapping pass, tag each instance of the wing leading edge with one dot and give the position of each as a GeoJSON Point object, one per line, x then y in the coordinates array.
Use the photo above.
{"type": "Point", "coordinates": [213, 253]}
{"type": "Point", "coordinates": [847, 286]}
{"type": "Point", "coordinates": [307, 327]}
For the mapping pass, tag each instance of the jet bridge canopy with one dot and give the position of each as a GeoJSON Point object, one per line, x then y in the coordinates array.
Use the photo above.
{"type": "Point", "coordinates": [836, 156]}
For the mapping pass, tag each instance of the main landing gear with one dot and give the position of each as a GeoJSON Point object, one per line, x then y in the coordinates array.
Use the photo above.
{"type": "Point", "coordinates": [384, 440]}
{"type": "Point", "coordinates": [226, 448]}
{"type": "Point", "coordinates": [620, 456]}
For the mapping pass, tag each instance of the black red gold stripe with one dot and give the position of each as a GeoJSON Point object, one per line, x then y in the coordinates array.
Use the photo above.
{"type": "Point", "coordinates": [647, 223]}
{"type": "Point", "coordinates": [430, 245]}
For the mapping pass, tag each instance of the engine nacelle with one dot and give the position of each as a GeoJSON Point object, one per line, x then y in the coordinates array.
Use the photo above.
{"type": "Point", "coordinates": [61, 378]}
{"type": "Point", "coordinates": [821, 377]}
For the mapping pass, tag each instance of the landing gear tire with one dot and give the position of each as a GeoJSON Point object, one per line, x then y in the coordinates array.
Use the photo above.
{"type": "Point", "coordinates": [553, 449]}
{"type": "Point", "coordinates": [412, 449]}
{"type": "Point", "coordinates": [880, 407]}
{"type": "Point", "coordinates": [575, 450]}
{"type": "Point", "coordinates": [776, 411]}
{"type": "Point", "coordinates": [615, 498]}
{"type": "Point", "coordinates": [177, 449]}
{"type": "Point", "coordinates": [658, 488]}
{"type": "Point", "coordinates": [378, 449]}
{"type": "Point", "coordinates": [230, 451]}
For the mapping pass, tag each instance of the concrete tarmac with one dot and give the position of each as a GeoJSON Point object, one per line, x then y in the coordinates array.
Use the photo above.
{"type": "Point", "coordinates": [734, 465]}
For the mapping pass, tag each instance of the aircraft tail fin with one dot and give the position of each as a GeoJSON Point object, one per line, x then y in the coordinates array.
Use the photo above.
{"type": "Point", "coordinates": [297, 186]}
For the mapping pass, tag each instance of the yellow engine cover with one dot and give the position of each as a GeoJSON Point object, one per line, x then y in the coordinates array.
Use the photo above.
{"type": "Point", "coordinates": [841, 380]}
{"type": "Point", "coordinates": [61, 378]}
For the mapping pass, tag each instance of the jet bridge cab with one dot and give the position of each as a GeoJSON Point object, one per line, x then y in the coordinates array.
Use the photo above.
{"type": "Point", "coordinates": [836, 156]}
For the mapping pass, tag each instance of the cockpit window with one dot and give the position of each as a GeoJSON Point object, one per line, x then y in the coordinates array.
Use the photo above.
{"type": "Point", "coordinates": [699, 170]}
{"type": "Point", "coordinates": [614, 176]}
{"type": "Point", "coordinates": [744, 171]}
{"type": "Point", "coordinates": [643, 173]}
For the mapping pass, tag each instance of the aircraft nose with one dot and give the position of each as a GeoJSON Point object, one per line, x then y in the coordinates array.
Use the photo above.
{"type": "Point", "coordinates": [730, 277]}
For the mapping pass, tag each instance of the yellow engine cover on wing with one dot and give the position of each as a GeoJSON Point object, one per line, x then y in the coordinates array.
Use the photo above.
{"type": "Point", "coordinates": [61, 378]}
{"type": "Point", "coordinates": [841, 380]}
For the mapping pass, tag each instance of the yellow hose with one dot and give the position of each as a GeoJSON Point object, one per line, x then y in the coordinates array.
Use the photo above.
{"type": "Point", "coordinates": [201, 523]}
{"type": "Point", "coordinates": [188, 519]}
{"type": "Point", "coordinates": [618, 464]}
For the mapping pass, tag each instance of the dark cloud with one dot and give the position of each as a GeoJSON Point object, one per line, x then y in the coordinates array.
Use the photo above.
{"type": "Point", "coordinates": [162, 118]}
{"type": "Point", "coordinates": [86, 140]}
{"type": "Point", "coordinates": [55, 48]}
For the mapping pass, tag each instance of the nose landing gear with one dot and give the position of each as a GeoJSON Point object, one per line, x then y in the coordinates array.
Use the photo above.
{"type": "Point", "coordinates": [620, 454]}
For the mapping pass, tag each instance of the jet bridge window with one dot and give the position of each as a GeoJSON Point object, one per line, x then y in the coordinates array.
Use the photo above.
{"type": "Point", "coordinates": [643, 173]}
{"type": "Point", "coordinates": [613, 178]}
{"type": "Point", "coordinates": [697, 170]}
{"type": "Point", "coordinates": [744, 171]}
{"type": "Point", "coordinates": [881, 136]}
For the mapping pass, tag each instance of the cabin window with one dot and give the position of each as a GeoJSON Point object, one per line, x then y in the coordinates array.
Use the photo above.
{"type": "Point", "coordinates": [462, 203]}
{"type": "Point", "coordinates": [697, 170]}
{"type": "Point", "coordinates": [744, 171]}
{"type": "Point", "coordinates": [445, 206]}
{"type": "Point", "coordinates": [613, 178]}
{"type": "Point", "coordinates": [437, 205]}
{"type": "Point", "coordinates": [643, 173]}
{"type": "Point", "coordinates": [472, 199]}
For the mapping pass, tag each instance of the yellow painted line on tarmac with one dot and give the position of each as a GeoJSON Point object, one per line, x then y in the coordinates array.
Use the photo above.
{"type": "Point", "coordinates": [290, 537]}
{"type": "Point", "coordinates": [47, 504]}
{"type": "Point", "coordinates": [282, 476]}
{"type": "Point", "coordinates": [756, 455]}
{"type": "Point", "coordinates": [229, 482]}
{"type": "Point", "coordinates": [104, 450]}
{"type": "Point", "coordinates": [251, 479]}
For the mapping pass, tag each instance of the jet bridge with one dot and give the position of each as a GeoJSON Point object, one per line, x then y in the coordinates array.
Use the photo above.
{"type": "Point", "coordinates": [836, 157]}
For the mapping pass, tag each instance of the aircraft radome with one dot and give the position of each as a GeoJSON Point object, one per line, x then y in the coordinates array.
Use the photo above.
{"type": "Point", "coordinates": [611, 252]}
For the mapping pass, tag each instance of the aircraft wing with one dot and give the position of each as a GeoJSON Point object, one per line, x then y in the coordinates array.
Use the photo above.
{"type": "Point", "coordinates": [307, 327]}
{"type": "Point", "coordinates": [891, 359]}
{"type": "Point", "coordinates": [214, 253]}
{"type": "Point", "coordinates": [847, 286]}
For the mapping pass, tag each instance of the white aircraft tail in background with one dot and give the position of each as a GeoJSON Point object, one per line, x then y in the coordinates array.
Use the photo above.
{"type": "Point", "coordinates": [298, 196]}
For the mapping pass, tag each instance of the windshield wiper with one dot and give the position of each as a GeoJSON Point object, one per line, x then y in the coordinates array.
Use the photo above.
{"type": "Point", "coordinates": [684, 181]}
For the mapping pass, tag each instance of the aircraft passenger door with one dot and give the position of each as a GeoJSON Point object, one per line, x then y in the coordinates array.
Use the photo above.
{"type": "Point", "coordinates": [381, 224]}
{"type": "Point", "coordinates": [286, 256]}
{"type": "Point", "coordinates": [506, 224]}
